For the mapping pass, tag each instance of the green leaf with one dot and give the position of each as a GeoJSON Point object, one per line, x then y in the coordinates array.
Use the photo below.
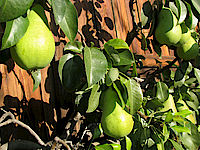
{"type": "Point", "coordinates": [117, 44]}
{"type": "Point", "coordinates": [119, 53]}
{"type": "Point", "coordinates": [66, 16]}
{"type": "Point", "coordinates": [95, 65]}
{"type": "Point", "coordinates": [196, 5]}
{"type": "Point", "coordinates": [162, 91]}
{"type": "Point", "coordinates": [119, 93]}
{"type": "Point", "coordinates": [112, 53]}
{"type": "Point", "coordinates": [36, 75]}
{"type": "Point", "coordinates": [126, 57]}
{"type": "Point", "coordinates": [174, 8]}
{"type": "Point", "coordinates": [108, 147]}
{"type": "Point", "coordinates": [194, 102]}
{"type": "Point", "coordinates": [108, 80]}
{"type": "Point", "coordinates": [75, 46]}
{"type": "Point", "coordinates": [182, 11]}
{"type": "Point", "coordinates": [176, 145]}
{"type": "Point", "coordinates": [97, 132]}
{"type": "Point", "coordinates": [191, 141]}
{"type": "Point", "coordinates": [15, 30]}
{"type": "Point", "coordinates": [128, 143]}
{"type": "Point", "coordinates": [93, 101]}
{"type": "Point", "coordinates": [166, 133]}
{"type": "Point", "coordinates": [191, 21]}
{"type": "Point", "coordinates": [11, 9]}
{"type": "Point", "coordinates": [154, 103]}
{"type": "Point", "coordinates": [113, 74]}
{"type": "Point", "coordinates": [182, 72]}
{"type": "Point", "coordinates": [169, 116]}
{"type": "Point", "coordinates": [197, 74]}
{"type": "Point", "coordinates": [180, 129]}
{"type": "Point", "coordinates": [184, 113]}
{"type": "Point", "coordinates": [158, 139]}
{"type": "Point", "coordinates": [71, 71]}
{"type": "Point", "coordinates": [135, 95]}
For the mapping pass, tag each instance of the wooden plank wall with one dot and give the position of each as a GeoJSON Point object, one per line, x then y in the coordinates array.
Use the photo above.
{"type": "Point", "coordinates": [99, 21]}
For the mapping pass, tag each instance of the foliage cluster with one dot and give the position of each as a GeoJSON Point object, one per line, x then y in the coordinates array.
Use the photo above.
{"type": "Point", "coordinates": [87, 71]}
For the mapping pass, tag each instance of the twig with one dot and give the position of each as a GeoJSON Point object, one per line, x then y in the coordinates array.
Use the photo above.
{"type": "Point", "coordinates": [83, 38]}
{"type": "Point", "coordinates": [13, 120]}
{"type": "Point", "coordinates": [142, 115]}
{"type": "Point", "coordinates": [138, 79]}
{"type": "Point", "coordinates": [5, 115]}
{"type": "Point", "coordinates": [58, 140]}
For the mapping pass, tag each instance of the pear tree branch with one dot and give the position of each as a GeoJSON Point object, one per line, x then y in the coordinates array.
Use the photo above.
{"type": "Point", "coordinates": [15, 121]}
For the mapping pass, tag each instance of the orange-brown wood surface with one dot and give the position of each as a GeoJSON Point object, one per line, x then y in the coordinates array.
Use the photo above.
{"type": "Point", "coordinates": [99, 21]}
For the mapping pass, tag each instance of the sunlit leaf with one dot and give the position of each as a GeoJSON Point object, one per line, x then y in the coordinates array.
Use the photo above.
{"type": "Point", "coordinates": [176, 145]}
{"type": "Point", "coordinates": [93, 101]}
{"type": "Point", "coordinates": [15, 30]}
{"type": "Point", "coordinates": [66, 16]}
{"type": "Point", "coordinates": [182, 11]}
{"type": "Point", "coordinates": [128, 143]}
{"type": "Point", "coordinates": [183, 113]}
{"type": "Point", "coordinates": [135, 95]}
{"type": "Point", "coordinates": [193, 102]}
{"type": "Point", "coordinates": [191, 141]}
{"type": "Point", "coordinates": [196, 4]}
{"type": "Point", "coordinates": [191, 21]}
{"type": "Point", "coordinates": [121, 102]}
{"type": "Point", "coordinates": [74, 47]}
{"type": "Point", "coordinates": [95, 64]}
{"type": "Point", "coordinates": [166, 132]}
{"type": "Point", "coordinates": [174, 8]}
{"type": "Point", "coordinates": [117, 44]}
{"type": "Point", "coordinates": [197, 74]}
{"type": "Point", "coordinates": [181, 129]}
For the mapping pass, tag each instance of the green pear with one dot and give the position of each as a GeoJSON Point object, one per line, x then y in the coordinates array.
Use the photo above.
{"type": "Point", "coordinates": [188, 50]}
{"type": "Point", "coordinates": [36, 48]}
{"type": "Point", "coordinates": [186, 34]}
{"type": "Point", "coordinates": [116, 122]}
{"type": "Point", "coordinates": [167, 31]}
{"type": "Point", "coordinates": [169, 104]}
{"type": "Point", "coordinates": [181, 105]}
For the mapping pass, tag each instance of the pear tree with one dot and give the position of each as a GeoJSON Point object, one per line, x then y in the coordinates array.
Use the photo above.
{"type": "Point", "coordinates": [119, 103]}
